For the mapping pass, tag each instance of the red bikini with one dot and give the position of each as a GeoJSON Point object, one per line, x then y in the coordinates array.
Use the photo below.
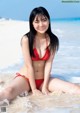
{"type": "Point", "coordinates": [36, 58]}
{"type": "Point", "coordinates": [45, 57]}
{"type": "Point", "coordinates": [37, 81]}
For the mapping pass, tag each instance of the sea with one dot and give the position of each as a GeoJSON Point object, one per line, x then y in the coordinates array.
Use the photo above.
{"type": "Point", "coordinates": [66, 64]}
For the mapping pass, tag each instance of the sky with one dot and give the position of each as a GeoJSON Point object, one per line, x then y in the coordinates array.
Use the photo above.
{"type": "Point", "coordinates": [20, 9]}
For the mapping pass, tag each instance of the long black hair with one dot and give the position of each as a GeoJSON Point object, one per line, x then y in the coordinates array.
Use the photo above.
{"type": "Point", "coordinates": [54, 42]}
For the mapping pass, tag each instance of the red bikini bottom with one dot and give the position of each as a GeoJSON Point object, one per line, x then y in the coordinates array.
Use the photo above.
{"type": "Point", "coordinates": [37, 81]}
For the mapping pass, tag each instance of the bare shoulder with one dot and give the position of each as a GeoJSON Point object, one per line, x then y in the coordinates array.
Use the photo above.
{"type": "Point", "coordinates": [25, 43]}
{"type": "Point", "coordinates": [24, 39]}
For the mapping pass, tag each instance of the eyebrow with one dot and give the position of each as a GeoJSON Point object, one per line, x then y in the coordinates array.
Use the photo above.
{"type": "Point", "coordinates": [40, 16]}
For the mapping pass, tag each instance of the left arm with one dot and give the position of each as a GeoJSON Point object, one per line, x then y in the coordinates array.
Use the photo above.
{"type": "Point", "coordinates": [47, 71]}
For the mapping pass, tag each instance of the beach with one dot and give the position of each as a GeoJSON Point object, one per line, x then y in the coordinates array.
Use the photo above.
{"type": "Point", "coordinates": [66, 66]}
{"type": "Point", "coordinates": [56, 102]}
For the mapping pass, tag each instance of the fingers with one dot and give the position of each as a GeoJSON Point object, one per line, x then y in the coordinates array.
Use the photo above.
{"type": "Point", "coordinates": [45, 90]}
{"type": "Point", "coordinates": [46, 93]}
{"type": "Point", "coordinates": [37, 92]}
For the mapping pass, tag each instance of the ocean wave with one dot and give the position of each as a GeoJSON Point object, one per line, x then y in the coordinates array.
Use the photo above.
{"type": "Point", "coordinates": [66, 19]}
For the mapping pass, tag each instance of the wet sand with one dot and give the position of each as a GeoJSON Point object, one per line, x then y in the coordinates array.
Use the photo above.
{"type": "Point", "coordinates": [66, 64]}
{"type": "Point", "coordinates": [54, 103]}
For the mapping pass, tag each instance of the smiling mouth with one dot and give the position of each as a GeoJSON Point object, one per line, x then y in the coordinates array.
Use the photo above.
{"type": "Point", "coordinates": [41, 29]}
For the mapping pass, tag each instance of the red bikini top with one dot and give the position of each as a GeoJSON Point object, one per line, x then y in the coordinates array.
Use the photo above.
{"type": "Point", "coordinates": [36, 55]}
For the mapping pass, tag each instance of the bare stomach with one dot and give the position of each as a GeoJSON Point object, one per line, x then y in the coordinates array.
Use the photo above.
{"type": "Point", "coordinates": [38, 69]}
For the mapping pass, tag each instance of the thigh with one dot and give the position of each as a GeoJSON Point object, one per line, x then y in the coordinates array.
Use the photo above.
{"type": "Point", "coordinates": [56, 84]}
{"type": "Point", "coordinates": [19, 84]}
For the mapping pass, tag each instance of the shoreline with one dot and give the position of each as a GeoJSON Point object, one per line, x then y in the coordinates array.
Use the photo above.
{"type": "Point", "coordinates": [66, 63]}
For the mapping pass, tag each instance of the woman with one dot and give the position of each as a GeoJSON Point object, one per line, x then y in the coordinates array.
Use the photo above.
{"type": "Point", "coordinates": [39, 46]}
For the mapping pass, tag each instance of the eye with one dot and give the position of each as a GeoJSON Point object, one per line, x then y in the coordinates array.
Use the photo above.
{"type": "Point", "coordinates": [36, 21]}
{"type": "Point", "coordinates": [44, 19]}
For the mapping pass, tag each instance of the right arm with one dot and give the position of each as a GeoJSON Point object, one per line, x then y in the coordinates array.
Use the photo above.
{"type": "Point", "coordinates": [28, 62]}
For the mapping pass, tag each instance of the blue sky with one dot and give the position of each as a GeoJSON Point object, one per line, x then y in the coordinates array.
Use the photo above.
{"type": "Point", "coordinates": [20, 9]}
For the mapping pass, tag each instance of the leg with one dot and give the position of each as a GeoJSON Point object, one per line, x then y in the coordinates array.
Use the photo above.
{"type": "Point", "coordinates": [56, 84]}
{"type": "Point", "coordinates": [17, 86]}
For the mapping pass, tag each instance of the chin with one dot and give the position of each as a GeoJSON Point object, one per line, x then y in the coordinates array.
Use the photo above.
{"type": "Point", "coordinates": [41, 32]}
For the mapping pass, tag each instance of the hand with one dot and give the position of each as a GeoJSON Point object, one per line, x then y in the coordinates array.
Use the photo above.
{"type": "Point", "coordinates": [45, 90]}
{"type": "Point", "coordinates": [37, 92]}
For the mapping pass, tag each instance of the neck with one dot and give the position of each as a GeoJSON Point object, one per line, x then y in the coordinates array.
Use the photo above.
{"type": "Point", "coordinates": [40, 36]}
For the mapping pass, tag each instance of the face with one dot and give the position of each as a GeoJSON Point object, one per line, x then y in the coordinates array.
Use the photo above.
{"type": "Point", "coordinates": [41, 23]}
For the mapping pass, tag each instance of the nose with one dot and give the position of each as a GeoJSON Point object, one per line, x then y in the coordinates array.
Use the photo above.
{"type": "Point", "coordinates": [40, 23]}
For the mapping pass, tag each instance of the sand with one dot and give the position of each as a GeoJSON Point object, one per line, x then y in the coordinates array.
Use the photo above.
{"type": "Point", "coordinates": [67, 63]}
{"type": "Point", "coordinates": [53, 103]}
